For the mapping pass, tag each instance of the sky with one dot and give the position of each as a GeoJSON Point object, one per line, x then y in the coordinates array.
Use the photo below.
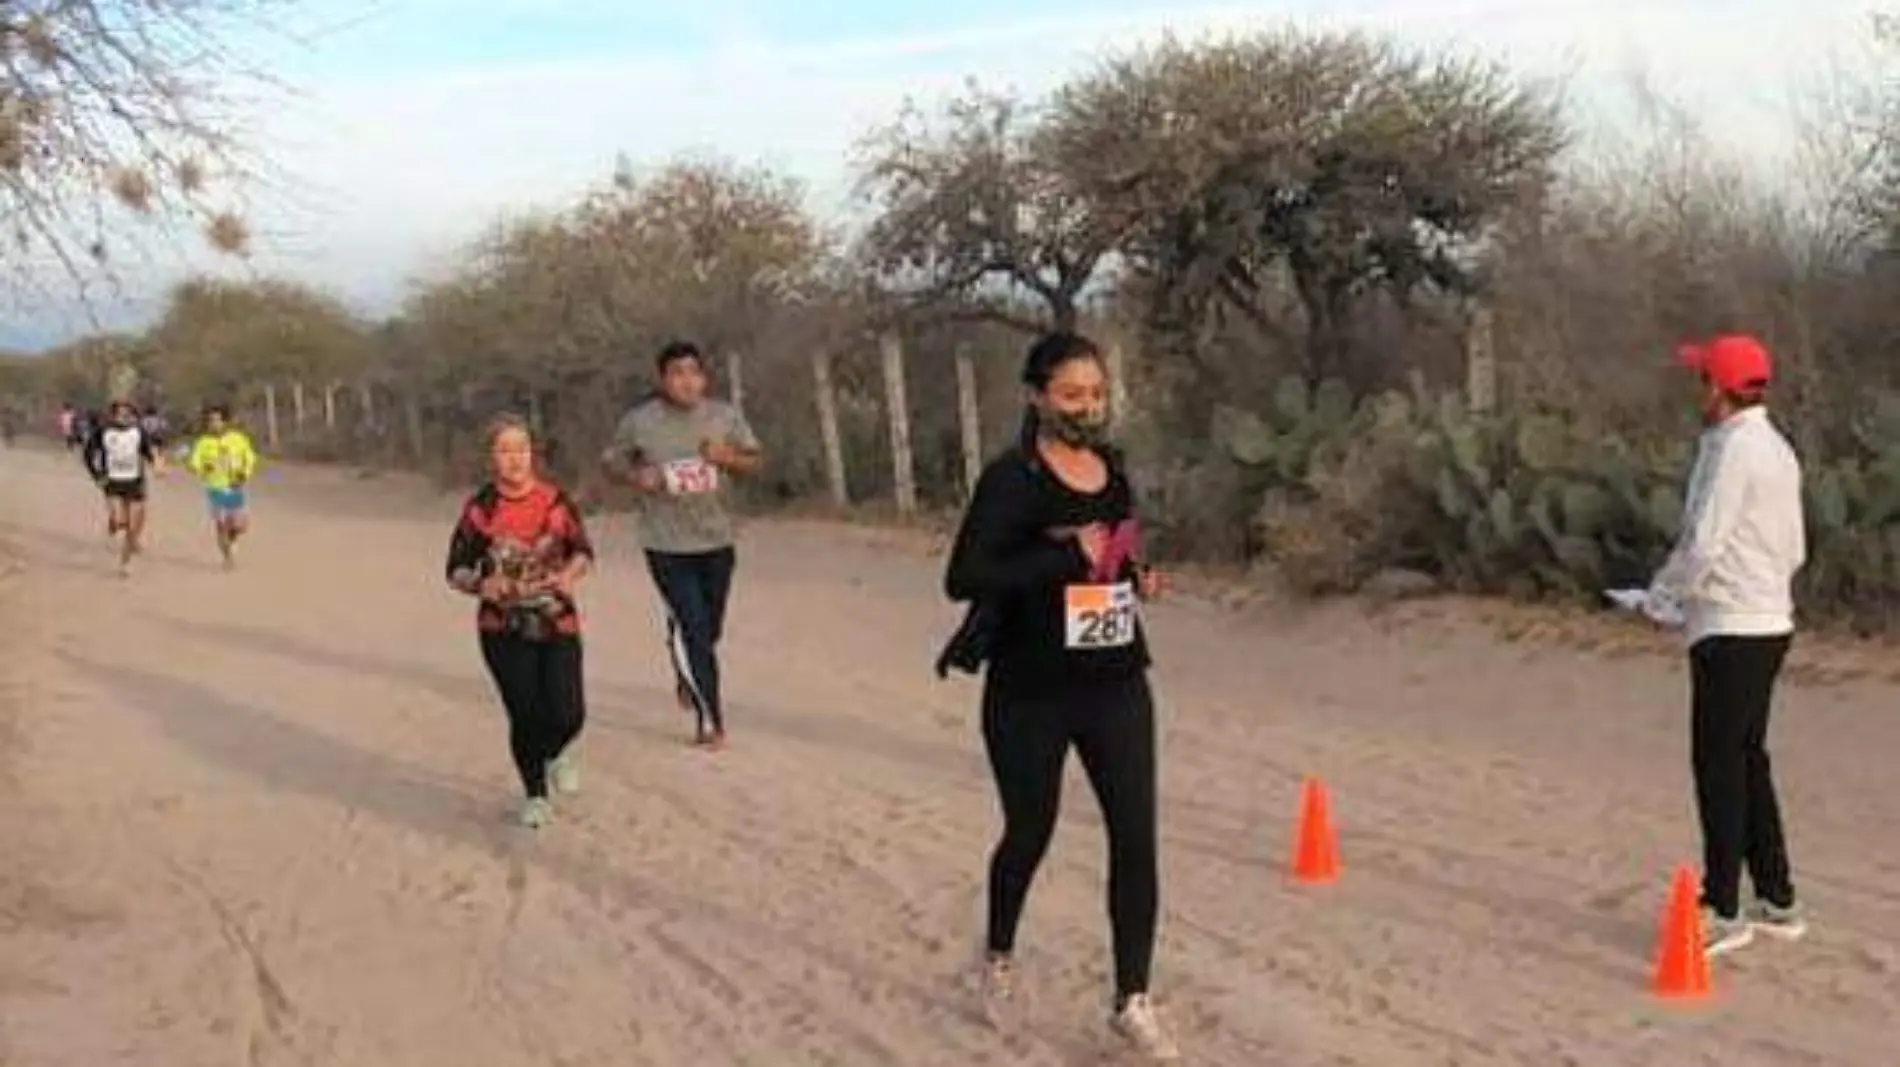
{"type": "Point", "coordinates": [406, 127]}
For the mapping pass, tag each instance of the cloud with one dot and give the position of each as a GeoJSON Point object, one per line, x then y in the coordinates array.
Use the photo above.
{"type": "Point", "coordinates": [387, 173]}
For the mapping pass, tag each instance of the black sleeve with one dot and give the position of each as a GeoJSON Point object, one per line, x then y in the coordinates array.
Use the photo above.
{"type": "Point", "coordinates": [997, 550]}
{"type": "Point", "coordinates": [468, 553]}
{"type": "Point", "coordinates": [93, 454]}
{"type": "Point", "coordinates": [148, 448]}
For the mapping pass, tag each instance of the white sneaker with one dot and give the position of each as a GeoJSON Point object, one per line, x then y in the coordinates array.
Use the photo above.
{"type": "Point", "coordinates": [1787, 924]}
{"type": "Point", "coordinates": [1720, 935]}
{"type": "Point", "coordinates": [1138, 1024]}
{"type": "Point", "coordinates": [536, 812]}
{"type": "Point", "coordinates": [564, 773]}
{"type": "Point", "coordinates": [996, 987]}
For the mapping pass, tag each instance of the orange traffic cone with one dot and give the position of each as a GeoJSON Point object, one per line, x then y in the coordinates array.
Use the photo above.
{"type": "Point", "coordinates": [1316, 851]}
{"type": "Point", "coordinates": [1682, 963]}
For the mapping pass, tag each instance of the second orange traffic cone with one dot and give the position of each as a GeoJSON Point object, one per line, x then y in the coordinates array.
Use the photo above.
{"type": "Point", "coordinates": [1316, 850]}
{"type": "Point", "coordinates": [1682, 962]}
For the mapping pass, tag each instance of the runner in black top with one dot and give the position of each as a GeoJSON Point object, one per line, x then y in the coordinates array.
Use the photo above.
{"type": "Point", "coordinates": [1049, 557]}
{"type": "Point", "coordinates": [119, 454]}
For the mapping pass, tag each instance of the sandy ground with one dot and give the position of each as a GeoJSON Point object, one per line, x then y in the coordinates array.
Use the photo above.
{"type": "Point", "coordinates": [261, 818]}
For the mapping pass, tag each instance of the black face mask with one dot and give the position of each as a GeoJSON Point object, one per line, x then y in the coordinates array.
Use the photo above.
{"type": "Point", "coordinates": [1078, 429]}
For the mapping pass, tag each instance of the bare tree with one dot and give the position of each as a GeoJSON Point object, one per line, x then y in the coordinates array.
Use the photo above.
{"type": "Point", "coordinates": [975, 214]}
{"type": "Point", "coordinates": [1333, 161]}
{"type": "Point", "coordinates": [110, 110]}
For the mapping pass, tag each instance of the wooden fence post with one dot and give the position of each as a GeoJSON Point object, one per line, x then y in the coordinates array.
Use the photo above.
{"type": "Point", "coordinates": [270, 416]}
{"type": "Point", "coordinates": [412, 413]}
{"type": "Point", "coordinates": [897, 408]}
{"type": "Point", "coordinates": [970, 417]}
{"type": "Point", "coordinates": [1117, 359]}
{"type": "Point", "coordinates": [735, 375]}
{"type": "Point", "coordinates": [828, 428]}
{"type": "Point", "coordinates": [1481, 361]}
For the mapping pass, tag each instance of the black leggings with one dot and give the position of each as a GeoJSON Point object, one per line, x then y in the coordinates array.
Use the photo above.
{"type": "Point", "coordinates": [1733, 683]}
{"type": "Point", "coordinates": [695, 586]}
{"type": "Point", "coordinates": [540, 684]}
{"type": "Point", "coordinates": [1112, 729]}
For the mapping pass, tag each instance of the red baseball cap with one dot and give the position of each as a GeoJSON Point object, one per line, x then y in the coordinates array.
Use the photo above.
{"type": "Point", "coordinates": [1733, 363]}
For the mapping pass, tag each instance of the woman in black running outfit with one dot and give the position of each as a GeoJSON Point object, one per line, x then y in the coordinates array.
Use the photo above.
{"type": "Point", "coordinates": [1049, 556]}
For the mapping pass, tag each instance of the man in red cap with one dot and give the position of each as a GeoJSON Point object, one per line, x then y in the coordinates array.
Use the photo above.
{"type": "Point", "coordinates": [1731, 577]}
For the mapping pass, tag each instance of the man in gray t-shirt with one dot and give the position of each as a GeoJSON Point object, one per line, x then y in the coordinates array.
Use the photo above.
{"type": "Point", "coordinates": [677, 449]}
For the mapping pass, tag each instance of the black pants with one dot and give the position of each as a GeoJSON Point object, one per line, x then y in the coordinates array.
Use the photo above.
{"type": "Point", "coordinates": [540, 684]}
{"type": "Point", "coordinates": [1028, 738]}
{"type": "Point", "coordinates": [1733, 681]}
{"type": "Point", "coordinates": [695, 587]}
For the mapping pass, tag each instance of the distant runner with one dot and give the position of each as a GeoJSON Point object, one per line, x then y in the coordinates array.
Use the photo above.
{"type": "Point", "coordinates": [223, 459]}
{"type": "Point", "coordinates": [1049, 559]}
{"type": "Point", "coordinates": [120, 457]}
{"type": "Point", "coordinates": [521, 548]}
{"type": "Point", "coordinates": [676, 449]}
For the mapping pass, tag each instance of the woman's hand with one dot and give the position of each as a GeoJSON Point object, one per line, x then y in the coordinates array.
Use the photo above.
{"type": "Point", "coordinates": [1151, 584]}
{"type": "Point", "coordinates": [498, 589]}
{"type": "Point", "coordinates": [1093, 540]}
{"type": "Point", "coordinates": [564, 581]}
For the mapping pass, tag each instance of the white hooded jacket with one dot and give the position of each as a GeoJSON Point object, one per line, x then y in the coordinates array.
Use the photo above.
{"type": "Point", "coordinates": [1743, 535]}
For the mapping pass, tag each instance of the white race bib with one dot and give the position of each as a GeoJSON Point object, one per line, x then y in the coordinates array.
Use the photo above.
{"type": "Point", "coordinates": [1099, 616]}
{"type": "Point", "coordinates": [122, 455]}
{"type": "Point", "coordinates": [690, 477]}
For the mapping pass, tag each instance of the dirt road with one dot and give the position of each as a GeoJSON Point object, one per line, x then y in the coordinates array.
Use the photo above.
{"type": "Point", "coordinates": [260, 818]}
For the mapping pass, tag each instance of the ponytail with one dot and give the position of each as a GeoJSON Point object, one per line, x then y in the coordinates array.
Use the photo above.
{"type": "Point", "coordinates": [1031, 427]}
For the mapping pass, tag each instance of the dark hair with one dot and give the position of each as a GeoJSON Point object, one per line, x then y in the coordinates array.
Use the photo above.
{"type": "Point", "coordinates": [673, 352]}
{"type": "Point", "coordinates": [1047, 356]}
{"type": "Point", "coordinates": [221, 410]}
{"type": "Point", "coordinates": [1752, 394]}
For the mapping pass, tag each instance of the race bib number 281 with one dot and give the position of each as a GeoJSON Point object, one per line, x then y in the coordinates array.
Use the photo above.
{"type": "Point", "coordinates": [1099, 616]}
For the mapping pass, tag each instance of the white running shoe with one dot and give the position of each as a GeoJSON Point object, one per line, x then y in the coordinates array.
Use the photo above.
{"type": "Point", "coordinates": [1140, 1026]}
{"type": "Point", "coordinates": [1721, 935]}
{"type": "Point", "coordinates": [1787, 924]}
{"type": "Point", "coordinates": [564, 773]}
{"type": "Point", "coordinates": [996, 988]}
{"type": "Point", "coordinates": [536, 812]}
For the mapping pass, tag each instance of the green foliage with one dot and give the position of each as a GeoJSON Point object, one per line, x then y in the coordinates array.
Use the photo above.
{"type": "Point", "coordinates": [1535, 502]}
{"type": "Point", "coordinates": [1490, 502]}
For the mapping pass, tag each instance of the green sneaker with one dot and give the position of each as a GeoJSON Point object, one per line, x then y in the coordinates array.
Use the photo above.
{"type": "Point", "coordinates": [536, 812]}
{"type": "Point", "coordinates": [564, 773]}
{"type": "Point", "coordinates": [1788, 923]}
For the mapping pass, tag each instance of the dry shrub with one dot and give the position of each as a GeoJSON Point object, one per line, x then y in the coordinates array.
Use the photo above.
{"type": "Point", "coordinates": [228, 233]}
{"type": "Point", "coordinates": [1347, 523]}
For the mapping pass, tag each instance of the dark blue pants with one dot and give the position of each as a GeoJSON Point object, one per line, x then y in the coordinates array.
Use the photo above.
{"type": "Point", "coordinates": [695, 587]}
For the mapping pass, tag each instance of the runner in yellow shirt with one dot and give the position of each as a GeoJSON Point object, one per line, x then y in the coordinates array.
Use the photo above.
{"type": "Point", "coordinates": [222, 457]}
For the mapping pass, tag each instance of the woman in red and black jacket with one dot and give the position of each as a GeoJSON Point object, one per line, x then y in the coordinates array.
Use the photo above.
{"type": "Point", "coordinates": [521, 548]}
